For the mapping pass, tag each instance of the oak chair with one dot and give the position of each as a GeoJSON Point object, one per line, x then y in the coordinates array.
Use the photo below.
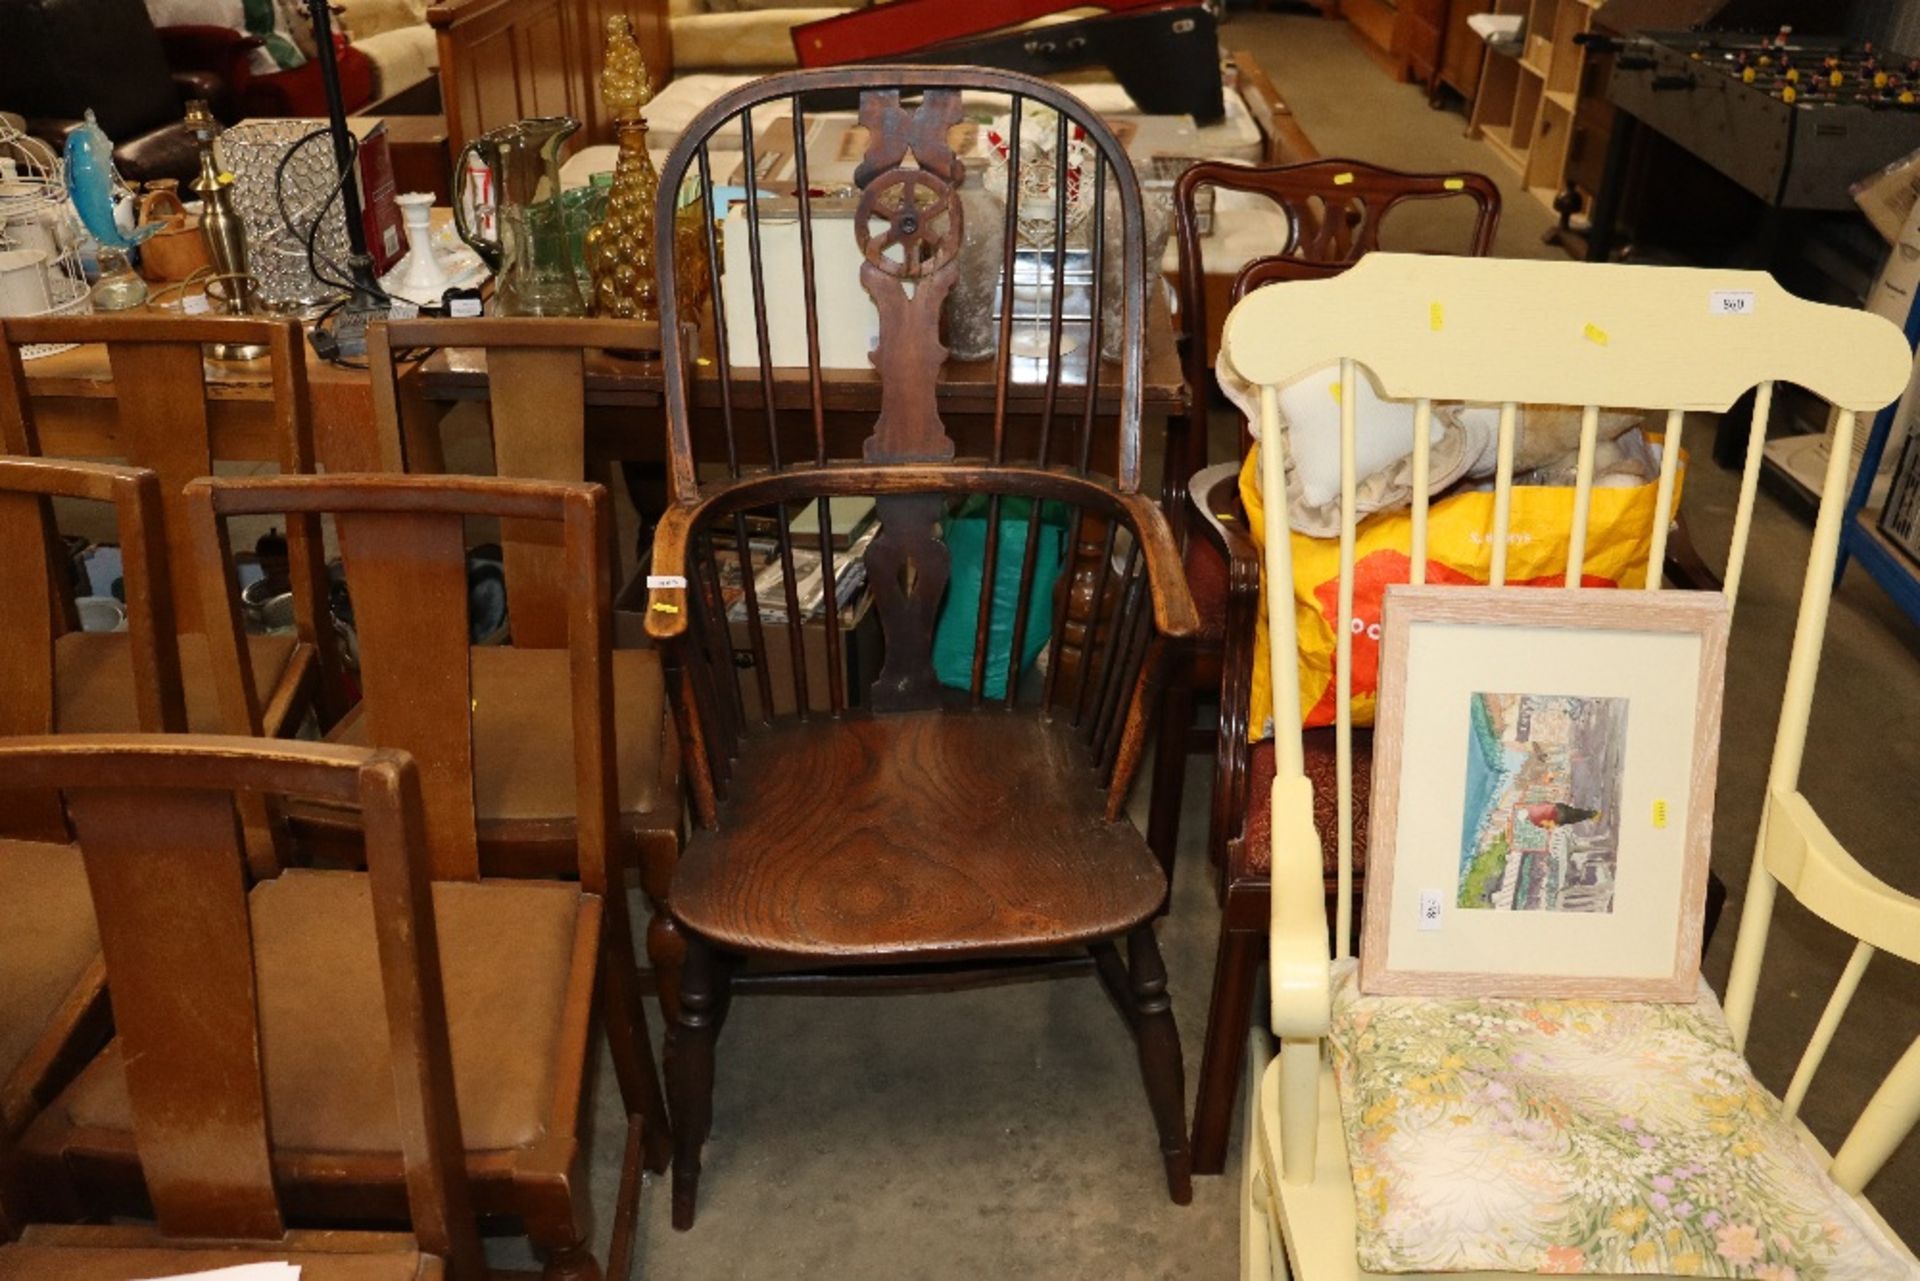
{"type": "Point", "coordinates": [905, 834]}
{"type": "Point", "coordinates": [52, 985]}
{"type": "Point", "coordinates": [201, 987]}
{"type": "Point", "coordinates": [163, 419]}
{"type": "Point", "coordinates": [1559, 333]}
{"type": "Point", "coordinates": [1335, 210]}
{"type": "Point", "coordinates": [523, 796]}
{"type": "Point", "coordinates": [522, 958]}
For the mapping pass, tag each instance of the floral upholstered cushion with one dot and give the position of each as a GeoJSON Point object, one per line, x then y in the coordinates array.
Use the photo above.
{"type": "Point", "coordinates": [1581, 1137]}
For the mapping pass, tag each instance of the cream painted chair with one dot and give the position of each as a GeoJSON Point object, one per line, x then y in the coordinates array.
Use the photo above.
{"type": "Point", "coordinates": [1508, 333]}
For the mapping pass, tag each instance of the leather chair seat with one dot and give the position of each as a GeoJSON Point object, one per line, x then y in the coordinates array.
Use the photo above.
{"type": "Point", "coordinates": [868, 839]}
{"type": "Point", "coordinates": [93, 680]}
{"type": "Point", "coordinates": [508, 956]}
{"type": "Point", "coordinates": [523, 737]}
{"type": "Point", "coordinates": [1256, 846]}
{"type": "Point", "coordinates": [47, 941]}
{"type": "Point", "coordinates": [30, 1261]}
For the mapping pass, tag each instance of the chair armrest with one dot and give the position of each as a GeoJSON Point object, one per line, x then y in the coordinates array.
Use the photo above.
{"type": "Point", "coordinates": [52, 130]}
{"type": "Point", "coordinates": [1174, 613]}
{"type": "Point", "coordinates": [1300, 972]}
{"type": "Point", "coordinates": [667, 606]}
{"type": "Point", "coordinates": [207, 48]}
{"type": "Point", "coordinates": [1300, 963]}
{"type": "Point", "coordinates": [207, 86]}
{"type": "Point", "coordinates": [1227, 529]}
{"type": "Point", "coordinates": [212, 63]}
{"type": "Point", "coordinates": [1173, 610]}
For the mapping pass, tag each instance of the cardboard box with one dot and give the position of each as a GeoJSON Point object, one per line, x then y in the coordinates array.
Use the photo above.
{"type": "Point", "coordinates": [860, 646]}
{"type": "Point", "coordinates": [860, 649]}
{"type": "Point", "coordinates": [1887, 197]}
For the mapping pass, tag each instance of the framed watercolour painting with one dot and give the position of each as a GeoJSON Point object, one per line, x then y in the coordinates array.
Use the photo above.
{"type": "Point", "coordinates": [1542, 792]}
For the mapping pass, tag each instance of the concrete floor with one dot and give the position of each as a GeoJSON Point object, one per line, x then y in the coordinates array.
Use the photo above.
{"type": "Point", "coordinates": [1005, 1132]}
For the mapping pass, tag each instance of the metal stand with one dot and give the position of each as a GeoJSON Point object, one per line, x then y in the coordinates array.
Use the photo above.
{"type": "Point", "coordinates": [1898, 576]}
{"type": "Point", "coordinates": [367, 299]}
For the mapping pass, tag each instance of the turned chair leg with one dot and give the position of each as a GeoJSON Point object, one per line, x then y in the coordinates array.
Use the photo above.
{"type": "Point", "coordinates": [666, 946]}
{"type": "Point", "coordinates": [690, 1071]}
{"type": "Point", "coordinates": [632, 1049]}
{"type": "Point", "coordinates": [667, 954]}
{"type": "Point", "coordinates": [557, 1224]}
{"type": "Point", "coordinates": [1170, 762]}
{"type": "Point", "coordinates": [1159, 1044]}
{"type": "Point", "coordinates": [1223, 1057]}
{"type": "Point", "coordinates": [1113, 977]}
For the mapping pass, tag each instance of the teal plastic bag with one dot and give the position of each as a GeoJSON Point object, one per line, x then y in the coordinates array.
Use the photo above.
{"type": "Point", "coordinates": [966, 539]}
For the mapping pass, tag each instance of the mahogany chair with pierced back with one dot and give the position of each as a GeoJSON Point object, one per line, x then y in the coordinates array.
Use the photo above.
{"type": "Point", "coordinates": [523, 792]}
{"type": "Point", "coordinates": [53, 1011]}
{"type": "Point", "coordinates": [204, 985]}
{"type": "Point", "coordinates": [522, 958]}
{"type": "Point", "coordinates": [1334, 212]}
{"type": "Point", "coordinates": [1594, 336]}
{"type": "Point", "coordinates": [905, 826]}
{"type": "Point", "coordinates": [165, 418]}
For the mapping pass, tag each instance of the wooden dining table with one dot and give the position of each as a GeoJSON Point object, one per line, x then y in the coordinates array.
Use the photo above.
{"type": "Point", "coordinates": [73, 394]}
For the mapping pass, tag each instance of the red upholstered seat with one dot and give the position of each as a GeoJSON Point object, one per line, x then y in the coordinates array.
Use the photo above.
{"type": "Point", "coordinates": [1256, 848]}
{"type": "Point", "coordinates": [1206, 566]}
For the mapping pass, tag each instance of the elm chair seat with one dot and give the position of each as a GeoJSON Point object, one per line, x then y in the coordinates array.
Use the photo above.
{"type": "Point", "coordinates": [523, 749]}
{"type": "Point", "coordinates": [45, 953]}
{"type": "Point", "coordinates": [40, 1255]}
{"type": "Point", "coordinates": [889, 811]}
{"type": "Point", "coordinates": [93, 681]}
{"type": "Point", "coordinates": [323, 1025]}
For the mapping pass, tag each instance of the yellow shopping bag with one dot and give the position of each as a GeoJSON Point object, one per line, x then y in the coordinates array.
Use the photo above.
{"type": "Point", "coordinates": [1459, 550]}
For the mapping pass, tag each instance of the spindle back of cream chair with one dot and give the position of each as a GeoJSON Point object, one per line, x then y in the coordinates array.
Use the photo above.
{"type": "Point", "coordinates": [1512, 333]}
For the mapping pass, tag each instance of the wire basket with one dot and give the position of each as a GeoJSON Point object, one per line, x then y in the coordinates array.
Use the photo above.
{"type": "Point", "coordinates": [39, 237]}
{"type": "Point", "coordinates": [283, 174]}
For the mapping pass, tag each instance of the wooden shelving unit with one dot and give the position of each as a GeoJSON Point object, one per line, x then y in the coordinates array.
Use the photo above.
{"type": "Point", "coordinates": [1530, 106]}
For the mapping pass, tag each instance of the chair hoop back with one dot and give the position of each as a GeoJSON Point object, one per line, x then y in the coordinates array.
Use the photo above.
{"type": "Point", "coordinates": [909, 230]}
{"type": "Point", "coordinates": [1036, 406]}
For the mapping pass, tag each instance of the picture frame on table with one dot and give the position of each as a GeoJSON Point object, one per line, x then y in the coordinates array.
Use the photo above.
{"type": "Point", "coordinates": [1544, 767]}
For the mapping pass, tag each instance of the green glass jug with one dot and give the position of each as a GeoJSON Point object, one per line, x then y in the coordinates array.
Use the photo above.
{"type": "Point", "coordinates": [510, 187]}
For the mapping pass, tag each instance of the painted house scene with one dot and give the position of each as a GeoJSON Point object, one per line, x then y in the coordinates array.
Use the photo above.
{"type": "Point", "coordinates": [1541, 829]}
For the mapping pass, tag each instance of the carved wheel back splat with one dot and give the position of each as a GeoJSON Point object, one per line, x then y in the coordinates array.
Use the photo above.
{"type": "Point", "coordinates": [909, 230]}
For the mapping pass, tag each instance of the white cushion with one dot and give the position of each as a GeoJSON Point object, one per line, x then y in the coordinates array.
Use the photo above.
{"type": "Point", "coordinates": [401, 57]}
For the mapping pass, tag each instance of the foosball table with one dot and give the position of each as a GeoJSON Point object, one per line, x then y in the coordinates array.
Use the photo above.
{"type": "Point", "coordinates": [1794, 120]}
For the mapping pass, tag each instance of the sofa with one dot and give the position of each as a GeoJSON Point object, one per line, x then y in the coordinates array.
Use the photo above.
{"type": "Point", "coordinates": [60, 58]}
{"type": "Point", "coordinates": [383, 46]}
{"type": "Point", "coordinates": [739, 34]}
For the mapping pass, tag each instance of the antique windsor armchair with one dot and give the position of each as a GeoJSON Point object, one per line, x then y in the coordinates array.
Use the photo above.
{"type": "Point", "coordinates": [1509, 332]}
{"type": "Point", "coordinates": [903, 827]}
